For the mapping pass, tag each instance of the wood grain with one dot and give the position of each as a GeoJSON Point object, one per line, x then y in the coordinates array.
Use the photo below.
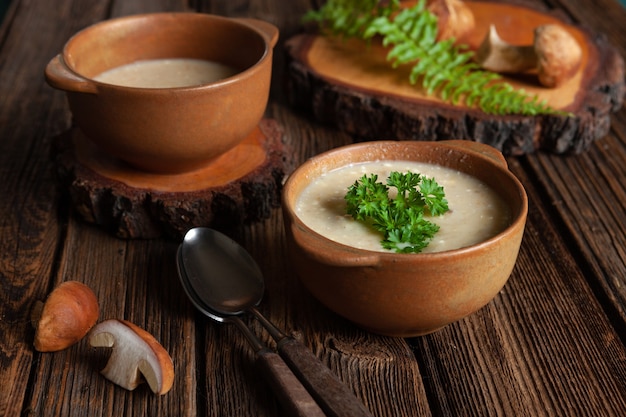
{"type": "Point", "coordinates": [30, 232]}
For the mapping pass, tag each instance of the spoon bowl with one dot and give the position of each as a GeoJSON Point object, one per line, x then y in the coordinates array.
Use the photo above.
{"type": "Point", "coordinates": [192, 294]}
{"type": "Point", "coordinates": [220, 273]}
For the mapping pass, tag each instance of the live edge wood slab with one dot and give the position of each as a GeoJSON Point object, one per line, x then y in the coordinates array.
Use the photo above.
{"type": "Point", "coordinates": [241, 186]}
{"type": "Point", "coordinates": [349, 84]}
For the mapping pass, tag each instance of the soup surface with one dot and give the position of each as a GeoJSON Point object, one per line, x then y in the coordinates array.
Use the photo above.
{"type": "Point", "coordinates": [476, 212]}
{"type": "Point", "coordinates": [166, 73]}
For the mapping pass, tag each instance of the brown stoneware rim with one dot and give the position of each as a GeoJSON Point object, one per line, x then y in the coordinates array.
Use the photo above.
{"type": "Point", "coordinates": [241, 75]}
{"type": "Point", "coordinates": [517, 222]}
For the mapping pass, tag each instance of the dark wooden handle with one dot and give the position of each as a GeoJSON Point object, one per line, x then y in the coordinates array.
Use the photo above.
{"type": "Point", "coordinates": [332, 395]}
{"type": "Point", "coordinates": [293, 396]}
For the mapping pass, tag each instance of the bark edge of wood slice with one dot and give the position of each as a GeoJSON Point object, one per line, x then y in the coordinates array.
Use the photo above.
{"type": "Point", "coordinates": [132, 212]}
{"type": "Point", "coordinates": [373, 115]}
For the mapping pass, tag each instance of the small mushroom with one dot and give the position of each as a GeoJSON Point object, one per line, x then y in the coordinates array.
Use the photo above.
{"type": "Point", "coordinates": [135, 353]}
{"type": "Point", "coordinates": [555, 54]}
{"type": "Point", "coordinates": [68, 314]}
{"type": "Point", "coordinates": [454, 18]}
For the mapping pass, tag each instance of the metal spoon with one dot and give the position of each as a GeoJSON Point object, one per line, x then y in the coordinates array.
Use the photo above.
{"type": "Point", "coordinates": [224, 277]}
{"type": "Point", "coordinates": [292, 394]}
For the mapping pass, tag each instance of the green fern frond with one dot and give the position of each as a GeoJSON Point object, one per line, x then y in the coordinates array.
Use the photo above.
{"type": "Point", "coordinates": [441, 67]}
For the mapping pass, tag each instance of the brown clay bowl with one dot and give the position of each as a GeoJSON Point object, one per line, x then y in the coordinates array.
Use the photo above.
{"type": "Point", "coordinates": [406, 294]}
{"type": "Point", "coordinates": [167, 130]}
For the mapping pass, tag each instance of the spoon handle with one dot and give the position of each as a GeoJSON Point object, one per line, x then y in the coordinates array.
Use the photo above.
{"type": "Point", "coordinates": [293, 396]}
{"type": "Point", "coordinates": [335, 398]}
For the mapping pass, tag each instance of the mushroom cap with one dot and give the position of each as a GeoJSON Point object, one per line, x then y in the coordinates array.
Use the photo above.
{"type": "Point", "coordinates": [68, 314]}
{"type": "Point", "coordinates": [558, 54]}
{"type": "Point", "coordinates": [454, 18]}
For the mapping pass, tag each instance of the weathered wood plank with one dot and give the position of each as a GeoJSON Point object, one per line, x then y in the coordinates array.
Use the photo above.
{"type": "Point", "coordinates": [596, 220]}
{"type": "Point", "coordinates": [542, 347]}
{"type": "Point", "coordinates": [29, 226]}
{"type": "Point", "coordinates": [585, 194]}
{"type": "Point", "coordinates": [63, 383]}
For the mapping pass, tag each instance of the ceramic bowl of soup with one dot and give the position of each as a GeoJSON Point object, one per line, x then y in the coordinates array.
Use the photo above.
{"type": "Point", "coordinates": [167, 92]}
{"type": "Point", "coordinates": [468, 261]}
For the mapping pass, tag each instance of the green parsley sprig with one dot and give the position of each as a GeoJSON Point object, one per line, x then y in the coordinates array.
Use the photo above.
{"type": "Point", "coordinates": [440, 66]}
{"type": "Point", "coordinates": [399, 218]}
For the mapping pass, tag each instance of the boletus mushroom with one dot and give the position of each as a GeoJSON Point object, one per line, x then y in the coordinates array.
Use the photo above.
{"type": "Point", "coordinates": [454, 18]}
{"type": "Point", "coordinates": [67, 315]}
{"type": "Point", "coordinates": [136, 356]}
{"type": "Point", "coordinates": [554, 54]}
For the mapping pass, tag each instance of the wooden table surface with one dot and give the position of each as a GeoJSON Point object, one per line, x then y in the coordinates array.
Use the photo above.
{"type": "Point", "coordinates": [552, 343]}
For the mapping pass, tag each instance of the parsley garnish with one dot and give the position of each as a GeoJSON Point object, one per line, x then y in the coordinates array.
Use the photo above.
{"type": "Point", "coordinates": [399, 218]}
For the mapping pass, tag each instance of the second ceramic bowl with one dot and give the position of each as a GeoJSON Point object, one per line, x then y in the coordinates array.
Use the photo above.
{"type": "Point", "coordinates": [167, 130]}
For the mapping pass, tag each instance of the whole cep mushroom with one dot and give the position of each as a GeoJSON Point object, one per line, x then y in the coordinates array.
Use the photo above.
{"type": "Point", "coordinates": [136, 356]}
{"type": "Point", "coordinates": [454, 18]}
{"type": "Point", "coordinates": [555, 54]}
{"type": "Point", "coordinates": [67, 315]}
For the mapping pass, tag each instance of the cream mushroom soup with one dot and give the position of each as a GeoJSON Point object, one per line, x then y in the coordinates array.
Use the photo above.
{"type": "Point", "coordinates": [476, 212]}
{"type": "Point", "coordinates": [166, 73]}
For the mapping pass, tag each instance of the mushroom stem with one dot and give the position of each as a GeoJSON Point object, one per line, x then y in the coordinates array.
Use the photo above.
{"type": "Point", "coordinates": [496, 55]}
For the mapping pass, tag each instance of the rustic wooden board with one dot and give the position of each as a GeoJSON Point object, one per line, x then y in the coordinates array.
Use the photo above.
{"type": "Point", "coordinates": [349, 84]}
{"type": "Point", "coordinates": [241, 186]}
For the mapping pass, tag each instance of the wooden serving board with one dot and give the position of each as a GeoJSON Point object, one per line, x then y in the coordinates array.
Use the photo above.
{"type": "Point", "coordinates": [243, 185]}
{"type": "Point", "coordinates": [351, 85]}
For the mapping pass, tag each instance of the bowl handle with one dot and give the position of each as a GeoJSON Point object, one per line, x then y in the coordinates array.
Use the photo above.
{"type": "Point", "coordinates": [268, 30]}
{"type": "Point", "coordinates": [477, 147]}
{"type": "Point", "coordinates": [60, 76]}
{"type": "Point", "coordinates": [330, 254]}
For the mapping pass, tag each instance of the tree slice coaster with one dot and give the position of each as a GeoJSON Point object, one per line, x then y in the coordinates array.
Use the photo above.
{"type": "Point", "coordinates": [243, 185]}
{"type": "Point", "coordinates": [351, 85]}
